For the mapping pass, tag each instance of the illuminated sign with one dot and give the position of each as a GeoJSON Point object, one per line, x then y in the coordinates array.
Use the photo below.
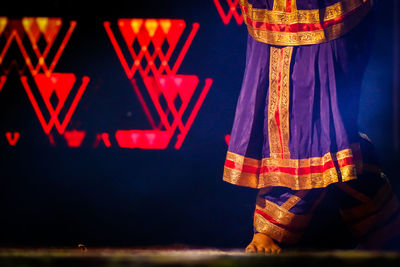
{"type": "Point", "coordinates": [155, 48]}
{"type": "Point", "coordinates": [156, 40]}
{"type": "Point", "coordinates": [233, 11]}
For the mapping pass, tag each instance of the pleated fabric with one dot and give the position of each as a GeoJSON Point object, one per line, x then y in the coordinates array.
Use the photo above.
{"type": "Point", "coordinates": [296, 117]}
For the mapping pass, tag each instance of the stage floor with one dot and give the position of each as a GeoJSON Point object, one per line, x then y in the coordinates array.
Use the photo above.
{"type": "Point", "coordinates": [190, 257]}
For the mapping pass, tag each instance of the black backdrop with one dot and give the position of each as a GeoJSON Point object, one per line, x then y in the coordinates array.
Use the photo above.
{"type": "Point", "coordinates": [61, 196]}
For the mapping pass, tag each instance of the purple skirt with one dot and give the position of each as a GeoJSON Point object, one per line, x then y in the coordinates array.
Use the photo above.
{"type": "Point", "coordinates": [296, 117]}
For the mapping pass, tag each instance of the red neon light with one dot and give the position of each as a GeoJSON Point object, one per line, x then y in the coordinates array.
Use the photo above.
{"type": "Point", "coordinates": [3, 24]}
{"type": "Point", "coordinates": [61, 84]}
{"type": "Point", "coordinates": [157, 39]}
{"type": "Point", "coordinates": [3, 79]}
{"type": "Point", "coordinates": [144, 139]}
{"type": "Point", "coordinates": [167, 86]}
{"type": "Point", "coordinates": [227, 139]}
{"type": "Point", "coordinates": [12, 33]}
{"type": "Point", "coordinates": [144, 105]}
{"type": "Point", "coordinates": [232, 12]}
{"type": "Point", "coordinates": [192, 116]}
{"type": "Point", "coordinates": [51, 139]}
{"type": "Point", "coordinates": [160, 81]}
{"type": "Point", "coordinates": [12, 138]}
{"type": "Point", "coordinates": [170, 87]}
{"type": "Point", "coordinates": [34, 29]}
{"type": "Point", "coordinates": [74, 138]}
{"type": "Point", "coordinates": [105, 137]}
{"type": "Point", "coordinates": [49, 28]}
{"type": "Point", "coordinates": [155, 32]}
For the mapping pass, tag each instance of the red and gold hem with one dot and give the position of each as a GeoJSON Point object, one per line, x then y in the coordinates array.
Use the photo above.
{"type": "Point", "coordinates": [297, 174]}
{"type": "Point", "coordinates": [277, 233]}
{"type": "Point", "coordinates": [294, 27]}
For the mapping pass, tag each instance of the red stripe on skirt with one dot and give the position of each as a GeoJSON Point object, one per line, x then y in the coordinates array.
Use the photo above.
{"type": "Point", "coordinates": [289, 170]}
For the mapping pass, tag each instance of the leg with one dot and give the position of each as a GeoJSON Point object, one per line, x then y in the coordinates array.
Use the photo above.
{"type": "Point", "coordinates": [281, 216]}
{"type": "Point", "coordinates": [371, 210]}
{"type": "Point", "coordinates": [368, 205]}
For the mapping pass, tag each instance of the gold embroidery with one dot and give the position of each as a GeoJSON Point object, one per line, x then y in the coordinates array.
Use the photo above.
{"type": "Point", "coordinates": [302, 163]}
{"type": "Point", "coordinates": [295, 182]}
{"type": "Point", "coordinates": [273, 91]}
{"type": "Point", "coordinates": [282, 215]}
{"type": "Point", "coordinates": [285, 219]}
{"type": "Point", "coordinates": [284, 100]}
{"type": "Point", "coordinates": [278, 102]}
{"type": "Point", "coordinates": [281, 5]}
{"type": "Point", "coordinates": [301, 16]}
{"type": "Point", "coordinates": [345, 153]}
{"type": "Point", "coordinates": [257, 177]}
{"type": "Point", "coordinates": [274, 231]}
{"type": "Point", "coordinates": [293, 7]}
{"type": "Point", "coordinates": [357, 8]}
{"type": "Point", "coordinates": [240, 178]}
{"type": "Point", "coordinates": [293, 200]}
{"type": "Point", "coordinates": [348, 172]}
{"type": "Point", "coordinates": [238, 159]}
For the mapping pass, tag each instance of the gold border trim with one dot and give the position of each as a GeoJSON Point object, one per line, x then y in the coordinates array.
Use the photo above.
{"type": "Point", "coordinates": [274, 231]}
{"type": "Point", "coordinates": [294, 199]}
{"type": "Point", "coordinates": [358, 7]}
{"type": "Point", "coordinates": [278, 101]}
{"type": "Point", "coordinates": [278, 16]}
{"type": "Point", "coordinates": [293, 181]}
{"type": "Point", "coordinates": [282, 215]}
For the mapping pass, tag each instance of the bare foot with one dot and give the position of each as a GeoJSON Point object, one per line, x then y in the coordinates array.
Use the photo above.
{"type": "Point", "coordinates": [262, 243]}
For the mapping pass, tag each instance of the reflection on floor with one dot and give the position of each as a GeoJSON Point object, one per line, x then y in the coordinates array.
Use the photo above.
{"type": "Point", "coordinates": [82, 256]}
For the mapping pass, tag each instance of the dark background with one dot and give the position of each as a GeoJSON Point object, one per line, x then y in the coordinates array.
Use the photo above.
{"type": "Point", "coordinates": [59, 196]}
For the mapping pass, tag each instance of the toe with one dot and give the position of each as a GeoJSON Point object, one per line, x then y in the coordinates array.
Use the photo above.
{"type": "Point", "coordinates": [251, 248]}
{"type": "Point", "coordinates": [267, 250]}
{"type": "Point", "coordinates": [276, 250]}
{"type": "Point", "coordinates": [260, 250]}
